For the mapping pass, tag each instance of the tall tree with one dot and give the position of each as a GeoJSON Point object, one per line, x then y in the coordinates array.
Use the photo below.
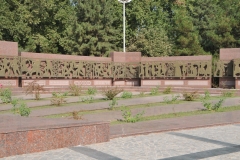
{"type": "Point", "coordinates": [96, 31]}
{"type": "Point", "coordinates": [213, 24]}
{"type": "Point", "coordinates": [184, 32]}
{"type": "Point", "coordinates": [147, 28]}
{"type": "Point", "coordinates": [37, 25]}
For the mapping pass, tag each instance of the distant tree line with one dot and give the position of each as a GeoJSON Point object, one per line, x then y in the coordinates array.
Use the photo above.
{"type": "Point", "coordinates": [95, 27]}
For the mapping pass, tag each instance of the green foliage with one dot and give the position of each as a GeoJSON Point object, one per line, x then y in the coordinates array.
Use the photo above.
{"type": "Point", "coordinates": [37, 26]}
{"type": "Point", "coordinates": [129, 118]}
{"type": "Point", "coordinates": [93, 27]}
{"type": "Point", "coordinates": [141, 94]}
{"type": "Point", "coordinates": [185, 35]}
{"type": "Point", "coordinates": [24, 110]}
{"type": "Point", "coordinates": [91, 91]}
{"type": "Point", "coordinates": [88, 99]}
{"type": "Point", "coordinates": [113, 104]}
{"type": "Point", "coordinates": [6, 95]}
{"type": "Point", "coordinates": [97, 30]}
{"type": "Point", "coordinates": [167, 90]}
{"type": "Point", "coordinates": [58, 99]}
{"type": "Point", "coordinates": [228, 93]}
{"type": "Point", "coordinates": [173, 99]}
{"type": "Point", "coordinates": [126, 94]}
{"type": "Point", "coordinates": [206, 95]}
{"type": "Point", "coordinates": [75, 90]}
{"type": "Point", "coordinates": [190, 96]}
{"type": "Point", "coordinates": [111, 92]}
{"type": "Point", "coordinates": [155, 91]}
{"type": "Point", "coordinates": [151, 42]}
{"type": "Point", "coordinates": [213, 107]}
{"type": "Point", "coordinates": [14, 103]}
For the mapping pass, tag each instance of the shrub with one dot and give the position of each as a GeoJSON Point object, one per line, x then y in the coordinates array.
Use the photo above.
{"type": "Point", "coordinates": [113, 104]}
{"type": "Point", "coordinates": [34, 88]}
{"type": "Point", "coordinates": [228, 93]}
{"type": "Point", "coordinates": [190, 96]}
{"type": "Point", "coordinates": [58, 99]}
{"type": "Point", "coordinates": [24, 110]}
{"type": "Point", "coordinates": [141, 94]}
{"type": "Point", "coordinates": [75, 90]}
{"type": "Point", "coordinates": [173, 99]}
{"type": "Point", "coordinates": [213, 107]}
{"type": "Point", "coordinates": [65, 94]}
{"type": "Point", "coordinates": [91, 91]}
{"type": "Point", "coordinates": [6, 95]}
{"type": "Point", "coordinates": [206, 95]}
{"type": "Point", "coordinates": [75, 115]}
{"type": "Point", "coordinates": [126, 94]}
{"type": "Point", "coordinates": [167, 90]}
{"type": "Point", "coordinates": [110, 93]}
{"type": "Point", "coordinates": [155, 91]}
{"type": "Point", "coordinates": [129, 118]}
{"type": "Point", "coordinates": [14, 103]}
{"type": "Point", "coordinates": [88, 99]}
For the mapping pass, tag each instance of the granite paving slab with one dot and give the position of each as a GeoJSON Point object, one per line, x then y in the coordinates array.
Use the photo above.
{"type": "Point", "coordinates": [12, 123]}
{"type": "Point", "coordinates": [209, 143]}
{"type": "Point", "coordinates": [171, 124]}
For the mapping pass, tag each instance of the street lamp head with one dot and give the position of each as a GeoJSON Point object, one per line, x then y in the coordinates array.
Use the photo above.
{"type": "Point", "coordinates": [124, 1]}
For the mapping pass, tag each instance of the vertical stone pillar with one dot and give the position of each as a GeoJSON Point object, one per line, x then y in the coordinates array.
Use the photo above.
{"type": "Point", "coordinates": [9, 49]}
{"type": "Point", "coordinates": [126, 57]}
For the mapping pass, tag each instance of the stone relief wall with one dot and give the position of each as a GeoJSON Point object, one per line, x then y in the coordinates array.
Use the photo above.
{"type": "Point", "coordinates": [223, 69]}
{"type": "Point", "coordinates": [175, 69]}
{"type": "Point", "coordinates": [10, 67]}
{"type": "Point", "coordinates": [236, 68]}
{"type": "Point", "coordinates": [29, 68]}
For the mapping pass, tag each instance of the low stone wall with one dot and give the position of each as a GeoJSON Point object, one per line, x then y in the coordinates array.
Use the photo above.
{"type": "Point", "coordinates": [21, 135]}
{"type": "Point", "coordinates": [65, 83]}
{"type": "Point", "coordinates": [195, 83]}
{"type": "Point", "coordinates": [119, 69]}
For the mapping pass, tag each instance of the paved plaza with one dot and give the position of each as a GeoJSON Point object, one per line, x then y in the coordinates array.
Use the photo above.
{"type": "Point", "coordinates": [212, 143]}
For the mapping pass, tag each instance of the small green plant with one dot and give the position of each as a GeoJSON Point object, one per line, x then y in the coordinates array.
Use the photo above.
{"type": "Point", "coordinates": [76, 115]}
{"type": "Point", "coordinates": [113, 104]}
{"type": "Point", "coordinates": [129, 118]}
{"type": "Point", "coordinates": [88, 99]}
{"type": "Point", "coordinates": [190, 96]}
{"type": "Point", "coordinates": [126, 94]}
{"type": "Point", "coordinates": [24, 110]}
{"type": "Point", "coordinates": [65, 94]}
{"type": "Point", "coordinates": [155, 91]}
{"type": "Point", "coordinates": [206, 95]}
{"type": "Point", "coordinates": [58, 99]}
{"type": "Point", "coordinates": [14, 103]}
{"type": "Point", "coordinates": [168, 90]}
{"type": "Point", "coordinates": [141, 94]}
{"type": "Point", "coordinates": [213, 107]}
{"type": "Point", "coordinates": [54, 94]}
{"type": "Point", "coordinates": [91, 91]}
{"type": "Point", "coordinates": [6, 95]}
{"type": "Point", "coordinates": [228, 93]}
{"type": "Point", "coordinates": [169, 100]}
{"type": "Point", "coordinates": [75, 90]}
{"type": "Point", "coordinates": [34, 88]}
{"type": "Point", "coordinates": [110, 93]}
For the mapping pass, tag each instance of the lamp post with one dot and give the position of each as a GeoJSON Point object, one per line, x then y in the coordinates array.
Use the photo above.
{"type": "Point", "coordinates": [124, 28]}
